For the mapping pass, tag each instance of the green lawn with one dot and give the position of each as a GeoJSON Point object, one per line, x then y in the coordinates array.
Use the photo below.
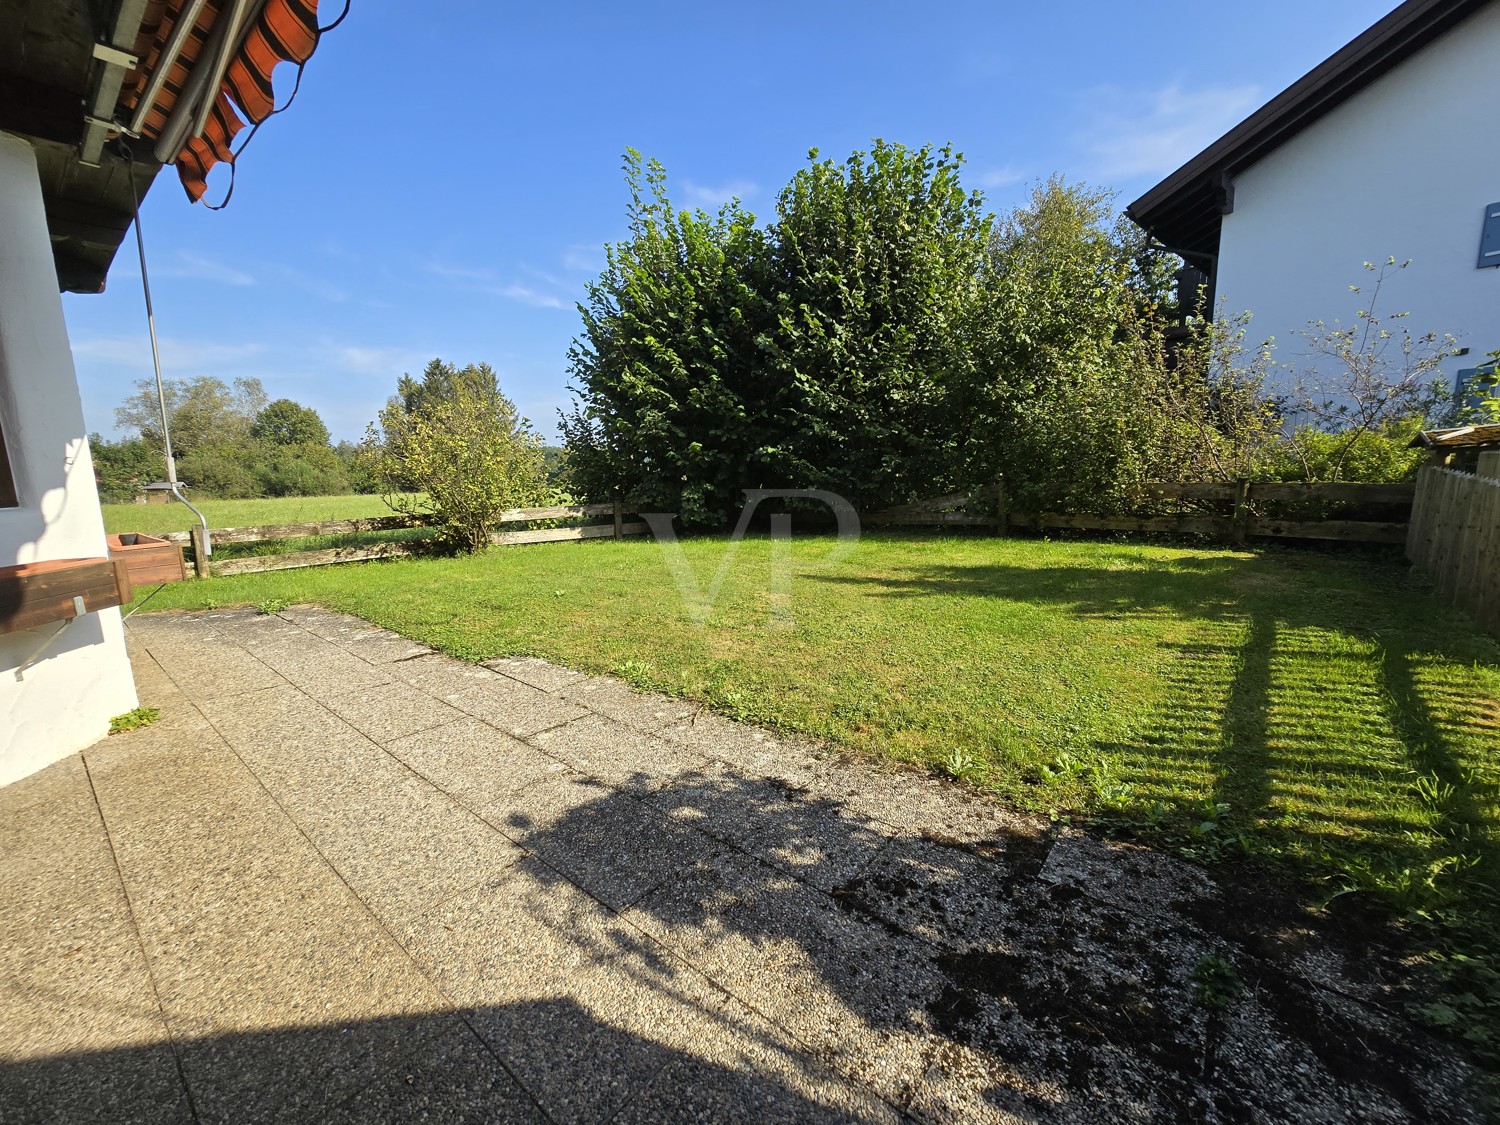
{"type": "Point", "coordinates": [155, 518]}
{"type": "Point", "coordinates": [1324, 705]}
{"type": "Point", "coordinates": [1319, 711]}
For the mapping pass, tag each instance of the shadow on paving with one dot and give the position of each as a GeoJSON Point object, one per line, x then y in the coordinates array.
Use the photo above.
{"type": "Point", "coordinates": [1019, 978]}
{"type": "Point", "coordinates": [430, 1067]}
{"type": "Point", "coordinates": [1325, 708]}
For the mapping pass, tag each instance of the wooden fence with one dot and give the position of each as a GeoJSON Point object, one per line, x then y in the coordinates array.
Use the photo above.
{"type": "Point", "coordinates": [1455, 537]}
{"type": "Point", "coordinates": [294, 560]}
{"type": "Point", "coordinates": [1244, 500]}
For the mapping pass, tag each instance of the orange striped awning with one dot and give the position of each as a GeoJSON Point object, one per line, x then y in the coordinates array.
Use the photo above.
{"type": "Point", "coordinates": [283, 31]}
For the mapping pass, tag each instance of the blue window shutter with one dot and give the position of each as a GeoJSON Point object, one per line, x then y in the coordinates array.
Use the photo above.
{"type": "Point", "coordinates": [1489, 241]}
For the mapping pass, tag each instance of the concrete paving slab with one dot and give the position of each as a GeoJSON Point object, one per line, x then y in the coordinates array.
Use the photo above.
{"type": "Point", "coordinates": [453, 1078]}
{"type": "Point", "coordinates": [537, 673]}
{"type": "Point", "coordinates": [475, 764]}
{"type": "Point", "coordinates": [839, 982]}
{"type": "Point", "coordinates": [617, 700]}
{"type": "Point", "coordinates": [560, 988]}
{"type": "Point", "coordinates": [618, 754]}
{"type": "Point", "coordinates": [606, 841]}
{"type": "Point", "coordinates": [785, 825]}
{"type": "Point", "coordinates": [391, 711]}
{"type": "Point", "coordinates": [224, 672]}
{"type": "Point", "coordinates": [394, 836]}
{"type": "Point", "coordinates": [249, 934]}
{"type": "Point", "coordinates": [81, 1036]}
{"type": "Point", "coordinates": [718, 925]}
{"type": "Point", "coordinates": [506, 704]}
{"type": "Point", "coordinates": [354, 635]}
{"type": "Point", "coordinates": [750, 751]}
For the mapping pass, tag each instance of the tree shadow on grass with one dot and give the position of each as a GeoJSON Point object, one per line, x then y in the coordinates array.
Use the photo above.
{"type": "Point", "coordinates": [1295, 701]}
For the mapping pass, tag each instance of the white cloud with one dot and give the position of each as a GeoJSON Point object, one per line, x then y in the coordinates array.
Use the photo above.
{"type": "Point", "coordinates": [482, 275]}
{"type": "Point", "coordinates": [584, 259]}
{"type": "Point", "coordinates": [181, 265]}
{"type": "Point", "coordinates": [1153, 132]}
{"type": "Point", "coordinates": [518, 292]}
{"type": "Point", "coordinates": [389, 362]}
{"type": "Point", "coordinates": [199, 268]}
{"type": "Point", "coordinates": [491, 281]}
{"type": "Point", "coordinates": [178, 357]}
{"type": "Point", "coordinates": [707, 195]}
{"type": "Point", "coordinates": [1007, 175]}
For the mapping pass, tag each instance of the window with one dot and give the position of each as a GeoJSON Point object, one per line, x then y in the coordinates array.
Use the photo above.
{"type": "Point", "coordinates": [1489, 239]}
{"type": "Point", "coordinates": [7, 481]}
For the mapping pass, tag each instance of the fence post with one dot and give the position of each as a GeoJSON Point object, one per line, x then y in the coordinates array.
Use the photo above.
{"type": "Point", "coordinates": [1001, 515]}
{"type": "Point", "coordinates": [1489, 464]}
{"type": "Point", "coordinates": [1241, 524]}
{"type": "Point", "coordinates": [200, 551]}
{"type": "Point", "coordinates": [619, 520]}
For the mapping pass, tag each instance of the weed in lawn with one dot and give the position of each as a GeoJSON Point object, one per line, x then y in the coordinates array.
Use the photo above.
{"type": "Point", "coordinates": [271, 606]}
{"type": "Point", "coordinates": [637, 673]}
{"type": "Point", "coordinates": [133, 720]}
{"type": "Point", "coordinates": [1216, 983]}
{"type": "Point", "coordinates": [961, 764]}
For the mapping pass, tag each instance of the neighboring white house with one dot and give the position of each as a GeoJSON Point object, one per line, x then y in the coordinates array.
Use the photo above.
{"type": "Point", "coordinates": [1387, 149]}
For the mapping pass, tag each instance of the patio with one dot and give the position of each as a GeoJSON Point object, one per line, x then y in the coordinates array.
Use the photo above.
{"type": "Point", "coordinates": [347, 878]}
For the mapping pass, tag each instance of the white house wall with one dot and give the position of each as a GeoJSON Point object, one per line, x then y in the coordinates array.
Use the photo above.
{"type": "Point", "coordinates": [66, 699]}
{"type": "Point", "coordinates": [1403, 169]}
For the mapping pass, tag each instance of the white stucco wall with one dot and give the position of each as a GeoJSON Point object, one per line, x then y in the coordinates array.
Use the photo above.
{"type": "Point", "coordinates": [66, 699]}
{"type": "Point", "coordinates": [1403, 169]}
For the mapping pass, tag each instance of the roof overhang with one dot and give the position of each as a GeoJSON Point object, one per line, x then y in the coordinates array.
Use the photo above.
{"type": "Point", "coordinates": [107, 91]}
{"type": "Point", "coordinates": [1185, 210]}
{"type": "Point", "coordinates": [62, 63]}
{"type": "Point", "coordinates": [1458, 437]}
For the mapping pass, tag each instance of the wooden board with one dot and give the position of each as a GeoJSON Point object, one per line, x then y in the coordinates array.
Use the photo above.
{"type": "Point", "coordinates": [1177, 525]}
{"type": "Point", "coordinates": [927, 519]}
{"type": "Point", "coordinates": [563, 534]}
{"type": "Point", "coordinates": [296, 560]}
{"type": "Point", "coordinates": [270, 532]}
{"type": "Point", "coordinates": [34, 594]}
{"type": "Point", "coordinates": [1347, 531]}
{"type": "Point", "coordinates": [1189, 490]}
{"type": "Point", "coordinates": [148, 560]}
{"type": "Point", "coordinates": [1336, 493]}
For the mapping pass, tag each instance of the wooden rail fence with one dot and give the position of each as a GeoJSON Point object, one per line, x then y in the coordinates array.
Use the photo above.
{"type": "Point", "coordinates": [1455, 537]}
{"type": "Point", "coordinates": [1242, 523]}
{"type": "Point", "coordinates": [295, 560]}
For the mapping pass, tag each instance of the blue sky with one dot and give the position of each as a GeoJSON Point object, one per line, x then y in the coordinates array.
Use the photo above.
{"type": "Point", "coordinates": [444, 186]}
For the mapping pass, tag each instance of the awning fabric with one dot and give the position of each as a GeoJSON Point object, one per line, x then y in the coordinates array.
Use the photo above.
{"type": "Point", "coordinates": [284, 31]}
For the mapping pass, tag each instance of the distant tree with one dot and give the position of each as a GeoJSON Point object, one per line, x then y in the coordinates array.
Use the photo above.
{"type": "Point", "coordinates": [200, 410]}
{"type": "Point", "coordinates": [220, 469]}
{"type": "Point", "coordinates": [441, 381]}
{"type": "Point", "coordinates": [285, 422]}
{"type": "Point", "coordinates": [122, 467]}
{"type": "Point", "coordinates": [453, 445]}
{"type": "Point", "coordinates": [354, 459]}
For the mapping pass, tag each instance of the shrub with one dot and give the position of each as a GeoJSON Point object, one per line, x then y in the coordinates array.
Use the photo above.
{"type": "Point", "coordinates": [461, 444]}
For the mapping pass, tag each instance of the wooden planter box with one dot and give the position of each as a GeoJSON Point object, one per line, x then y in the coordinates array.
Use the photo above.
{"type": "Point", "coordinates": [148, 560]}
{"type": "Point", "coordinates": [40, 593]}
